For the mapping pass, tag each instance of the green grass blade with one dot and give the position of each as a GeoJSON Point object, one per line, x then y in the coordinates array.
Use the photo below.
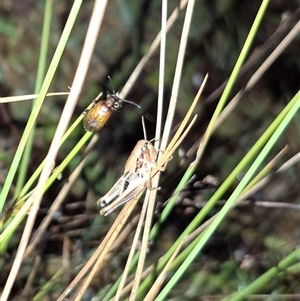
{"type": "Point", "coordinates": [266, 277]}
{"type": "Point", "coordinates": [47, 81]}
{"type": "Point", "coordinates": [40, 75]}
{"type": "Point", "coordinates": [221, 215]}
{"type": "Point", "coordinates": [15, 222]}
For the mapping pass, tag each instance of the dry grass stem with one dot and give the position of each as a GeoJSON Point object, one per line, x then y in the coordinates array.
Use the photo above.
{"type": "Point", "coordinates": [108, 242]}
{"type": "Point", "coordinates": [36, 197]}
{"type": "Point", "coordinates": [57, 203]}
{"type": "Point", "coordinates": [154, 290]}
{"type": "Point", "coordinates": [149, 202]}
{"type": "Point", "coordinates": [132, 250]}
{"type": "Point", "coordinates": [9, 99]}
{"type": "Point", "coordinates": [154, 46]}
{"type": "Point", "coordinates": [251, 83]}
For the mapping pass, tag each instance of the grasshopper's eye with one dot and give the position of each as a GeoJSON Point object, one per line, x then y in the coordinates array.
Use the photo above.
{"type": "Point", "coordinates": [144, 147]}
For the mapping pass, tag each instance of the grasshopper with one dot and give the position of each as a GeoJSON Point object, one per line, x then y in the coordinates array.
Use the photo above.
{"type": "Point", "coordinates": [135, 179]}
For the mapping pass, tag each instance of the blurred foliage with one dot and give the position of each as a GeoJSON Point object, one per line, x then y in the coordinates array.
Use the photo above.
{"type": "Point", "coordinates": [252, 239]}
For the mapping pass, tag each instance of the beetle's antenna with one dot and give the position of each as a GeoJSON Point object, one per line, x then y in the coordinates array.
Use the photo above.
{"type": "Point", "coordinates": [133, 103]}
{"type": "Point", "coordinates": [117, 94]}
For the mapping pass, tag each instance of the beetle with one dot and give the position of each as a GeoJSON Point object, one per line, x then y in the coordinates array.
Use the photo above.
{"type": "Point", "coordinates": [96, 117]}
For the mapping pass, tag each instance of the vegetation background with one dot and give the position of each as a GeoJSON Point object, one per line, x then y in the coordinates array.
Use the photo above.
{"type": "Point", "coordinates": [253, 238]}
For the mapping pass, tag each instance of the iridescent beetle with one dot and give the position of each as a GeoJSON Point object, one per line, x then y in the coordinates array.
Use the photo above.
{"type": "Point", "coordinates": [96, 117]}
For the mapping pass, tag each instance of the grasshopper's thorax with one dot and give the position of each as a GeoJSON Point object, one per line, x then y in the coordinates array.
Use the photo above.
{"type": "Point", "coordinates": [148, 153]}
{"type": "Point", "coordinates": [142, 156]}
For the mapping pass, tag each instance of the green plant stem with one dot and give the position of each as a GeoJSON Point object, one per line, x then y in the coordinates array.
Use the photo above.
{"type": "Point", "coordinates": [226, 208]}
{"type": "Point", "coordinates": [266, 277]}
{"type": "Point", "coordinates": [14, 223]}
{"type": "Point", "coordinates": [45, 86]}
{"type": "Point", "coordinates": [40, 75]}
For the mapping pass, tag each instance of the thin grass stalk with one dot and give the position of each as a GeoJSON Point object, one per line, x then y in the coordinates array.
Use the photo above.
{"type": "Point", "coordinates": [12, 224]}
{"type": "Point", "coordinates": [66, 115]}
{"type": "Point", "coordinates": [39, 80]}
{"type": "Point", "coordinates": [229, 180]}
{"type": "Point", "coordinates": [266, 169]}
{"type": "Point", "coordinates": [162, 63]}
{"type": "Point", "coordinates": [192, 239]}
{"type": "Point", "coordinates": [267, 277]}
{"type": "Point", "coordinates": [226, 208]}
{"type": "Point", "coordinates": [117, 226]}
{"type": "Point", "coordinates": [55, 205]}
{"type": "Point", "coordinates": [177, 75]}
{"type": "Point", "coordinates": [8, 99]}
{"type": "Point", "coordinates": [150, 196]}
{"type": "Point", "coordinates": [50, 73]}
{"type": "Point", "coordinates": [174, 143]}
{"type": "Point", "coordinates": [233, 76]}
{"type": "Point", "coordinates": [162, 276]}
{"type": "Point", "coordinates": [126, 88]}
{"type": "Point", "coordinates": [251, 82]}
{"type": "Point", "coordinates": [132, 251]}
{"type": "Point", "coordinates": [137, 71]}
{"type": "Point", "coordinates": [113, 233]}
{"type": "Point", "coordinates": [44, 291]}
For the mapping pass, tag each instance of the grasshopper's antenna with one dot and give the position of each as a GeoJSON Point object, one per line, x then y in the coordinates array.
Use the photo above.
{"type": "Point", "coordinates": [144, 127]}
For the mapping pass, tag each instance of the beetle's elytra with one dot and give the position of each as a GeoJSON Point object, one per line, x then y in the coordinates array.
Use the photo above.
{"type": "Point", "coordinates": [97, 116]}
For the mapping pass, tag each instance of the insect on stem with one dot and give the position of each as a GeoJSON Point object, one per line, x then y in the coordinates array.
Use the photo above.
{"type": "Point", "coordinates": [96, 117]}
{"type": "Point", "coordinates": [135, 179]}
